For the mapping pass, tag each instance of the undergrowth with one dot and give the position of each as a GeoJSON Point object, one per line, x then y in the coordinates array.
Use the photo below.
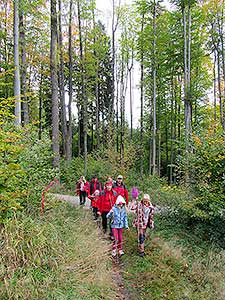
{"type": "Point", "coordinates": [55, 256]}
{"type": "Point", "coordinates": [178, 265]}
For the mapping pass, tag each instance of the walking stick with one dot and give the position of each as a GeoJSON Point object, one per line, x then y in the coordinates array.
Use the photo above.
{"type": "Point", "coordinates": [137, 211]}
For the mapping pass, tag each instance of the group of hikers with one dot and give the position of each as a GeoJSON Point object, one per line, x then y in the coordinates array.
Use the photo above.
{"type": "Point", "coordinates": [111, 202]}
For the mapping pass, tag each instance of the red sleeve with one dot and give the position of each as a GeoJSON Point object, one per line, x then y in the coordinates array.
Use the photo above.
{"type": "Point", "coordinates": [99, 203]}
{"type": "Point", "coordinates": [126, 195]}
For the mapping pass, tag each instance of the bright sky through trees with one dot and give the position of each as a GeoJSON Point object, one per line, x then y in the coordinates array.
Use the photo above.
{"type": "Point", "coordinates": [105, 14]}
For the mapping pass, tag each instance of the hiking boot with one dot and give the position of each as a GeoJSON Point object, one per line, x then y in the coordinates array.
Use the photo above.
{"type": "Point", "coordinates": [141, 254]}
{"type": "Point", "coordinates": [113, 252]}
{"type": "Point", "coordinates": [121, 252]}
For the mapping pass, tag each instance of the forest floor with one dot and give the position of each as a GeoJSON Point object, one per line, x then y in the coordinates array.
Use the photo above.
{"type": "Point", "coordinates": [178, 264]}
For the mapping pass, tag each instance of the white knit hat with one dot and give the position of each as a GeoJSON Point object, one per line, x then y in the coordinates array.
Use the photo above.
{"type": "Point", "coordinates": [119, 200]}
{"type": "Point", "coordinates": [146, 197]}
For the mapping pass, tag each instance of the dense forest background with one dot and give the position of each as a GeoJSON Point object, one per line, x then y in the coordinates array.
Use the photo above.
{"type": "Point", "coordinates": [69, 93]}
{"type": "Point", "coordinates": [65, 82]}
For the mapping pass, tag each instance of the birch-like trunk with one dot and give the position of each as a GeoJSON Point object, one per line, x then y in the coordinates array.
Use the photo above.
{"type": "Point", "coordinates": [54, 84]}
{"type": "Point", "coordinates": [83, 92]}
{"type": "Point", "coordinates": [61, 82]}
{"type": "Point", "coordinates": [142, 98]}
{"type": "Point", "coordinates": [154, 93]}
{"type": "Point", "coordinates": [17, 110]}
{"type": "Point", "coordinates": [69, 127]}
{"type": "Point", "coordinates": [25, 112]}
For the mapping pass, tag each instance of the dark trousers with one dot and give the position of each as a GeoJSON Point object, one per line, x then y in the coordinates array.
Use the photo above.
{"type": "Point", "coordinates": [95, 212]}
{"type": "Point", "coordinates": [82, 195]}
{"type": "Point", "coordinates": [104, 221]}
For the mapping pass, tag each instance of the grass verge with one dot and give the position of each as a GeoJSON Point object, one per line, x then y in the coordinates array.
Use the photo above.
{"type": "Point", "coordinates": [178, 265]}
{"type": "Point", "coordinates": [58, 255]}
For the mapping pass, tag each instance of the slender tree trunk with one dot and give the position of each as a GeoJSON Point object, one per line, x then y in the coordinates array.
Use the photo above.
{"type": "Point", "coordinates": [222, 111]}
{"type": "Point", "coordinates": [154, 93]}
{"type": "Point", "coordinates": [159, 153]}
{"type": "Point", "coordinates": [97, 133]}
{"type": "Point", "coordinates": [117, 112]}
{"type": "Point", "coordinates": [171, 131]}
{"type": "Point", "coordinates": [219, 85]}
{"type": "Point", "coordinates": [187, 102]}
{"type": "Point", "coordinates": [6, 56]}
{"type": "Point", "coordinates": [61, 83]}
{"type": "Point", "coordinates": [142, 100]}
{"type": "Point", "coordinates": [25, 113]}
{"type": "Point", "coordinates": [40, 106]}
{"type": "Point", "coordinates": [214, 86]}
{"type": "Point", "coordinates": [17, 120]}
{"type": "Point", "coordinates": [83, 96]}
{"type": "Point", "coordinates": [54, 83]}
{"type": "Point", "coordinates": [69, 128]}
{"type": "Point", "coordinates": [131, 102]}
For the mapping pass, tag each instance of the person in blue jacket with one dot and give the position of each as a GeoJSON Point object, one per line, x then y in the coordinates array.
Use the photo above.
{"type": "Point", "coordinates": [119, 220]}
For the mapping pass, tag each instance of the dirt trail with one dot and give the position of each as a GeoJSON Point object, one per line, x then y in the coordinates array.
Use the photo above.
{"type": "Point", "coordinates": [123, 293]}
{"type": "Point", "coordinates": [74, 200]}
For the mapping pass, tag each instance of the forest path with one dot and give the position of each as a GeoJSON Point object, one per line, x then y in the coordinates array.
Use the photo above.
{"type": "Point", "coordinates": [117, 277]}
{"type": "Point", "coordinates": [74, 200]}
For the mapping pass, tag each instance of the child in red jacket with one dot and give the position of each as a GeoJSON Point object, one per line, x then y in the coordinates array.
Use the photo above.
{"type": "Point", "coordinates": [94, 203]}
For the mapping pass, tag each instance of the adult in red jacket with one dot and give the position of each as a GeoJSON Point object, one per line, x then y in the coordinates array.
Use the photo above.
{"type": "Point", "coordinates": [121, 189]}
{"type": "Point", "coordinates": [94, 185]}
{"type": "Point", "coordinates": [106, 202]}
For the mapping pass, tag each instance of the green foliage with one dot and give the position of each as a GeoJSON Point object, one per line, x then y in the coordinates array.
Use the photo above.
{"type": "Point", "coordinates": [207, 188]}
{"type": "Point", "coordinates": [25, 167]}
{"type": "Point", "coordinates": [36, 161]}
{"type": "Point", "coordinates": [11, 172]}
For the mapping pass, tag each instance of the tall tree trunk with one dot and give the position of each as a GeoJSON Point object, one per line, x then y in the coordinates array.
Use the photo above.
{"type": "Point", "coordinates": [97, 111]}
{"type": "Point", "coordinates": [40, 106]}
{"type": "Point", "coordinates": [69, 128]}
{"type": "Point", "coordinates": [188, 106]}
{"type": "Point", "coordinates": [130, 72]}
{"type": "Point", "coordinates": [54, 83]}
{"type": "Point", "coordinates": [117, 112]}
{"type": "Point", "coordinates": [6, 56]}
{"type": "Point", "coordinates": [171, 130]}
{"type": "Point", "coordinates": [17, 120]}
{"type": "Point", "coordinates": [142, 98]}
{"type": "Point", "coordinates": [221, 30]}
{"type": "Point", "coordinates": [214, 86]}
{"type": "Point", "coordinates": [61, 83]}
{"type": "Point", "coordinates": [131, 101]}
{"type": "Point", "coordinates": [154, 93]}
{"type": "Point", "coordinates": [83, 92]}
{"type": "Point", "coordinates": [25, 112]}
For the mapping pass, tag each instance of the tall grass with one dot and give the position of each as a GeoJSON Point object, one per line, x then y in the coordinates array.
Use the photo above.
{"type": "Point", "coordinates": [56, 256]}
{"type": "Point", "coordinates": [175, 266]}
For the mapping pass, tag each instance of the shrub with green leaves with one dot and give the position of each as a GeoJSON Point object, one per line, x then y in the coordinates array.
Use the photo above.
{"type": "Point", "coordinates": [207, 165]}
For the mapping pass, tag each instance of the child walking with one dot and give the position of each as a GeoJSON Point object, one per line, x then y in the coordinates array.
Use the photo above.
{"type": "Point", "coordinates": [94, 203]}
{"type": "Point", "coordinates": [133, 203]}
{"type": "Point", "coordinates": [118, 216]}
{"type": "Point", "coordinates": [143, 220]}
